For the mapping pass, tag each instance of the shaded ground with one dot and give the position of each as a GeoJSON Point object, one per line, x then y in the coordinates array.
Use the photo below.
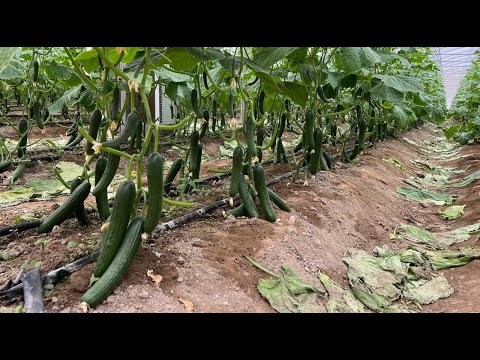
{"type": "Point", "coordinates": [203, 262]}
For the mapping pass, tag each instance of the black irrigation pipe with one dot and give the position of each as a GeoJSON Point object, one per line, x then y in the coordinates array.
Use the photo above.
{"type": "Point", "coordinates": [11, 291]}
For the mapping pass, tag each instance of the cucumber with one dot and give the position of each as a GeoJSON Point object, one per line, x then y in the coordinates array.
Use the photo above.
{"type": "Point", "coordinates": [237, 212]}
{"type": "Point", "coordinates": [22, 141]}
{"type": "Point", "coordinates": [204, 129]}
{"type": "Point", "coordinates": [287, 105]}
{"type": "Point", "coordinates": [108, 174]}
{"type": "Point", "coordinates": [315, 157]}
{"type": "Point", "coordinates": [194, 137]}
{"type": "Point", "coordinates": [113, 236]}
{"type": "Point", "coordinates": [205, 82]}
{"type": "Point", "coordinates": [78, 139]}
{"type": "Point", "coordinates": [155, 191]}
{"type": "Point", "coordinates": [116, 103]}
{"type": "Point", "coordinates": [277, 200]}
{"type": "Point", "coordinates": [252, 149]}
{"type": "Point", "coordinates": [222, 121]}
{"type": "Point", "coordinates": [260, 137]}
{"type": "Point", "coordinates": [100, 62]}
{"type": "Point", "coordinates": [283, 120]}
{"type": "Point", "coordinates": [138, 136]}
{"type": "Point", "coordinates": [80, 213]}
{"type": "Point", "coordinates": [247, 201]}
{"type": "Point", "coordinates": [118, 267]}
{"type": "Point", "coordinates": [95, 121]}
{"type": "Point", "coordinates": [323, 163]}
{"type": "Point", "coordinates": [308, 130]}
{"type": "Point", "coordinates": [37, 114]}
{"type": "Point", "coordinates": [18, 173]}
{"type": "Point", "coordinates": [321, 95]}
{"type": "Point", "coordinates": [333, 133]}
{"type": "Point", "coordinates": [196, 173]}
{"type": "Point", "coordinates": [261, 100]}
{"type": "Point", "coordinates": [262, 190]}
{"type": "Point", "coordinates": [102, 197]}
{"type": "Point", "coordinates": [298, 147]}
{"type": "Point", "coordinates": [231, 105]}
{"type": "Point", "coordinates": [36, 66]}
{"type": "Point", "coordinates": [76, 198]}
{"type": "Point", "coordinates": [280, 152]}
{"type": "Point", "coordinates": [4, 165]}
{"type": "Point", "coordinates": [172, 172]}
{"type": "Point", "coordinates": [194, 101]}
{"type": "Point", "coordinates": [236, 171]}
{"type": "Point", "coordinates": [345, 156]}
{"type": "Point", "coordinates": [128, 130]}
{"type": "Point", "coordinates": [327, 158]}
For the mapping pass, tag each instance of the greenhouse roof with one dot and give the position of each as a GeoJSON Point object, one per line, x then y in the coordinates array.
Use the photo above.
{"type": "Point", "coordinates": [454, 63]}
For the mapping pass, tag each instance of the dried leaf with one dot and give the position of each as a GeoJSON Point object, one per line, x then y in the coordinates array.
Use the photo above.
{"type": "Point", "coordinates": [155, 278]}
{"type": "Point", "coordinates": [188, 304]}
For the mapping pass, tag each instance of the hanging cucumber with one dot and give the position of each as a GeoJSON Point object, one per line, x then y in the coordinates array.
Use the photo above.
{"type": "Point", "coordinates": [76, 198]}
{"type": "Point", "coordinates": [205, 82]}
{"type": "Point", "coordinates": [247, 201]}
{"type": "Point", "coordinates": [118, 268]}
{"type": "Point", "coordinates": [116, 103]}
{"type": "Point", "coordinates": [77, 140]}
{"type": "Point", "coordinates": [196, 172]}
{"type": "Point", "coordinates": [128, 130]}
{"type": "Point", "coordinates": [172, 172]}
{"type": "Point", "coordinates": [37, 114]}
{"type": "Point", "coordinates": [80, 213]}
{"type": "Point", "coordinates": [108, 174]}
{"type": "Point", "coordinates": [249, 126]}
{"type": "Point", "coordinates": [322, 96]}
{"type": "Point", "coordinates": [102, 198]}
{"type": "Point", "coordinates": [36, 66]}
{"type": "Point", "coordinates": [155, 191]}
{"type": "Point", "coordinates": [262, 190]}
{"type": "Point", "coordinates": [308, 129]}
{"type": "Point", "coordinates": [18, 173]}
{"type": "Point", "coordinates": [261, 100]}
{"type": "Point", "coordinates": [315, 157]}
{"type": "Point", "coordinates": [287, 105]}
{"type": "Point", "coordinates": [206, 117]}
{"type": "Point", "coordinates": [94, 126]}
{"type": "Point", "coordinates": [22, 141]}
{"type": "Point", "coordinates": [236, 171]}
{"type": "Point", "coordinates": [280, 152]}
{"type": "Point", "coordinates": [138, 136]}
{"type": "Point", "coordinates": [283, 120]}
{"type": "Point", "coordinates": [260, 137]}
{"type": "Point", "coordinates": [222, 121]}
{"type": "Point", "coordinates": [231, 105]}
{"type": "Point", "coordinates": [194, 101]}
{"type": "Point", "coordinates": [277, 200]}
{"type": "Point", "coordinates": [327, 158]}
{"type": "Point", "coordinates": [113, 236]}
{"type": "Point", "coordinates": [194, 137]}
{"type": "Point", "coordinates": [333, 133]}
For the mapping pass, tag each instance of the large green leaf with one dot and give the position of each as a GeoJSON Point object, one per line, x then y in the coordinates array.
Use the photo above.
{"type": "Point", "coordinates": [354, 59]}
{"type": "Point", "coordinates": [10, 72]}
{"type": "Point", "coordinates": [400, 116]}
{"type": "Point", "coordinates": [58, 71]}
{"type": "Point", "coordinates": [295, 91]}
{"type": "Point", "coordinates": [6, 54]}
{"type": "Point", "coordinates": [384, 92]}
{"type": "Point", "coordinates": [86, 55]}
{"type": "Point", "coordinates": [169, 75]}
{"type": "Point", "coordinates": [424, 195]}
{"type": "Point", "coordinates": [205, 54]}
{"type": "Point", "coordinates": [452, 212]}
{"type": "Point", "coordinates": [401, 83]}
{"type": "Point", "coordinates": [67, 98]}
{"type": "Point", "coordinates": [264, 76]}
{"type": "Point", "coordinates": [467, 179]}
{"type": "Point", "coordinates": [267, 57]}
{"type": "Point", "coordinates": [181, 59]}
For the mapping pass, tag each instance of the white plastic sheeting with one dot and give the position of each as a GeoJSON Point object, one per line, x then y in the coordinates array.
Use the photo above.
{"type": "Point", "coordinates": [454, 63]}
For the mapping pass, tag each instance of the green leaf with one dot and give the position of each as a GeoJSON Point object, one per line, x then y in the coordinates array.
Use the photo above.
{"type": "Point", "coordinates": [450, 131]}
{"type": "Point", "coordinates": [384, 92]}
{"type": "Point", "coordinates": [6, 54]}
{"type": "Point", "coordinates": [86, 55]}
{"type": "Point", "coordinates": [181, 59]}
{"type": "Point", "coordinates": [400, 116]}
{"type": "Point", "coordinates": [10, 72]}
{"type": "Point", "coordinates": [354, 59]}
{"type": "Point", "coordinates": [169, 75]}
{"type": "Point", "coordinates": [171, 90]}
{"type": "Point", "coordinates": [467, 179]}
{"type": "Point", "coordinates": [264, 76]}
{"type": "Point", "coordinates": [452, 212]}
{"type": "Point", "coordinates": [339, 299]}
{"type": "Point", "coordinates": [349, 81]}
{"type": "Point", "coordinates": [295, 91]}
{"type": "Point", "coordinates": [205, 54]}
{"type": "Point", "coordinates": [267, 57]}
{"type": "Point", "coordinates": [424, 292]}
{"type": "Point", "coordinates": [298, 56]}
{"type": "Point", "coordinates": [289, 294]}
{"type": "Point", "coordinates": [463, 137]}
{"type": "Point", "coordinates": [60, 72]}
{"type": "Point", "coordinates": [424, 195]}
{"type": "Point", "coordinates": [68, 97]}
{"type": "Point", "coordinates": [402, 83]}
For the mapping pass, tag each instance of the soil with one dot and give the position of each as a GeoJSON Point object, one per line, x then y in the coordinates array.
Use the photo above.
{"type": "Point", "coordinates": [203, 264]}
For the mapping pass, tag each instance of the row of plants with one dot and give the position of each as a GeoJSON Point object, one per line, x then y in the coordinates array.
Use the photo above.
{"type": "Point", "coordinates": [328, 99]}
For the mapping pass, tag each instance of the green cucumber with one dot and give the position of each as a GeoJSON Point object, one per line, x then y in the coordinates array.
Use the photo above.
{"type": "Point", "coordinates": [321, 95]}
{"type": "Point", "coordinates": [4, 165]}
{"type": "Point", "coordinates": [113, 236]}
{"type": "Point", "coordinates": [172, 172]}
{"type": "Point", "coordinates": [95, 121]}
{"type": "Point", "coordinates": [261, 100]}
{"type": "Point", "coordinates": [237, 212]}
{"type": "Point", "coordinates": [128, 130]}
{"type": "Point", "coordinates": [108, 174]}
{"type": "Point", "coordinates": [283, 120]}
{"type": "Point", "coordinates": [327, 158]}
{"type": "Point", "coordinates": [76, 198]}
{"type": "Point", "coordinates": [22, 141]}
{"type": "Point", "coordinates": [204, 129]}
{"type": "Point", "coordinates": [102, 197]}
{"type": "Point", "coordinates": [277, 200]}
{"type": "Point", "coordinates": [37, 114]}
{"type": "Point", "coordinates": [249, 126]}
{"type": "Point", "coordinates": [78, 139]}
{"type": "Point", "coordinates": [280, 152]}
{"type": "Point", "coordinates": [194, 137]}
{"type": "Point", "coordinates": [116, 103]}
{"type": "Point", "coordinates": [155, 191]}
{"type": "Point", "coordinates": [260, 137]}
{"type": "Point", "coordinates": [17, 174]}
{"type": "Point", "coordinates": [308, 130]}
{"type": "Point", "coordinates": [222, 121]}
{"type": "Point", "coordinates": [231, 105]}
{"type": "Point", "coordinates": [36, 66]}
{"type": "Point", "coordinates": [287, 105]}
{"type": "Point", "coordinates": [196, 173]}
{"type": "Point", "coordinates": [80, 213]}
{"type": "Point", "coordinates": [315, 157]}
{"type": "Point", "coordinates": [236, 171]}
{"type": "Point", "coordinates": [205, 82]}
{"type": "Point", "coordinates": [262, 190]}
{"type": "Point", "coordinates": [194, 101]}
{"type": "Point", "coordinates": [118, 267]}
{"type": "Point", "coordinates": [247, 201]}
{"type": "Point", "coordinates": [138, 136]}
{"type": "Point", "coordinates": [333, 133]}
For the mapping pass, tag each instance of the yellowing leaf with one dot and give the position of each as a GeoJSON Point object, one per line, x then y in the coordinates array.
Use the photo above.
{"type": "Point", "coordinates": [155, 278]}
{"type": "Point", "coordinates": [188, 304]}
